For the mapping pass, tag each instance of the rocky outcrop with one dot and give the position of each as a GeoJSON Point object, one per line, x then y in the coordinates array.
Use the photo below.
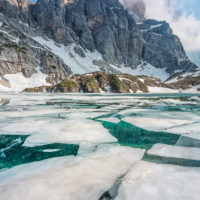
{"type": "Point", "coordinates": [15, 58]}
{"type": "Point", "coordinates": [185, 81]}
{"type": "Point", "coordinates": [4, 102]}
{"type": "Point", "coordinates": [101, 82]}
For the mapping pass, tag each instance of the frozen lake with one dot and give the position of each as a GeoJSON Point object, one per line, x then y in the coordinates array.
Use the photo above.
{"type": "Point", "coordinates": [91, 146]}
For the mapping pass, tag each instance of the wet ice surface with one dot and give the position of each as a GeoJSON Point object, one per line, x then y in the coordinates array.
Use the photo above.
{"type": "Point", "coordinates": [154, 181]}
{"type": "Point", "coordinates": [82, 146]}
{"type": "Point", "coordinates": [79, 178]}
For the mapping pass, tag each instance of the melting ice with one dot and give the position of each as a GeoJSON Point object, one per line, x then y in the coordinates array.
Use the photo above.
{"type": "Point", "coordinates": [97, 147]}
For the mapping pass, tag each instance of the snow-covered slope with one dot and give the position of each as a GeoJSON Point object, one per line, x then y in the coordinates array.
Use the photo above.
{"type": "Point", "coordinates": [186, 81]}
{"type": "Point", "coordinates": [85, 64]}
{"type": "Point", "coordinates": [78, 64]}
{"type": "Point", "coordinates": [18, 82]}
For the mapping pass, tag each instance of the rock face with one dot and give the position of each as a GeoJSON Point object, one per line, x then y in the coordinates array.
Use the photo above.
{"type": "Point", "coordinates": [163, 49]}
{"type": "Point", "coordinates": [119, 33]}
{"type": "Point", "coordinates": [105, 26]}
{"type": "Point", "coordinates": [21, 54]}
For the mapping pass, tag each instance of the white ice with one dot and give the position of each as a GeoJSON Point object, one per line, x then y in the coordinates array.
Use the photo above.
{"type": "Point", "coordinates": [164, 150]}
{"type": "Point", "coordinates": [59, 131]}
{"type": "Point", "coordinates": [64, 178]}
{"type": "Point", "coordinates": [110, 119]}
{"type": "Point", "coordinates": [155, 124]}
{"type": "Point", "coordinates": [189, 130]}
{"type": "Point", "coordinates": [185, 124]}
{"type": "Point", "coordinates": [152, 181]}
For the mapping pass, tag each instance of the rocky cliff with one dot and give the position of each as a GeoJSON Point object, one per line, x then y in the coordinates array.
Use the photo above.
{"type": "Point", "coordinates": [63, 37]}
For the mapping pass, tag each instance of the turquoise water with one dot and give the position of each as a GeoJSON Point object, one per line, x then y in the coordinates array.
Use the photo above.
{"type": "Point", "coordinates": [31, 125]}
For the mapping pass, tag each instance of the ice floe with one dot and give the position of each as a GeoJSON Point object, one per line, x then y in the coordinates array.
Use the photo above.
{"type": "Point", "coordinates": [69, 178]}
{"type": "Point", "coordinates": [59, 131]}
{"type": "Point", "coordinates": [110, 119]}
{"type": "Point", "coordinates": [156, 124]}
{"type": "Point", "coordinates": [152, 181]}
{"type": "Point", "coordinates": [164, 150]}
{"type": "Point", "coordinates": [93, 122]}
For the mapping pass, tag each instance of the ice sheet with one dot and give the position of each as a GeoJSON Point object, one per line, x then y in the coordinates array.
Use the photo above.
{"type": "Point", "coordinates": [164, 150]}
{"type": "Point", "coordinates": [189, 130]}
{"type": "Point", "coordinates": [81, 178]}
{"type": "Point", "coordinates": [155, 124]}
{"type": "Point", "coordinates": [110, 119]}
{"type": "Point", "coordinates": [152, 181]}
{"type": "Point", "coordinates": [59, 131]}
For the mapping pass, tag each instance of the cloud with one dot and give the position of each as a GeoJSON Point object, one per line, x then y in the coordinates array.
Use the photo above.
{"type": "Point", "coordinates": [186, 26]}
{"type": "Point", "coordinates": [135, 8]}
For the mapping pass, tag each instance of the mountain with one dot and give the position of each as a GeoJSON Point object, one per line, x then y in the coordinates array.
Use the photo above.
{"type": "Point", "coordinates": [46, 42]}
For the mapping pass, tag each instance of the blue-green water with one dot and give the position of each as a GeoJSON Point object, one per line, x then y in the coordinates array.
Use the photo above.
{"type": "Point", "coordinates": [92, 146]}
{"type": "Point", "coordinates": [22, 116]}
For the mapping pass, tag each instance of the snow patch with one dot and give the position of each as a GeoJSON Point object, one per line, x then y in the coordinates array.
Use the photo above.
{"type": "Point", "coordinates": [161, 90]}
{"type": "Point", "coordinates": [13, 39]}
{"type": "Point", "coordinates": [19, 82]}
{"type": "Point", "coordinates": [142, 80]}
{"type": "Point", "coordinates": [156, 26]}
{"type": "Point", "coordinates": [147, 70]}
{"type": "Point", "coordinates": [183, 76]}
{"type": "Point", "coordinates": [151, 71]}
{"type": "Point", "coordinates": [78, 65]}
